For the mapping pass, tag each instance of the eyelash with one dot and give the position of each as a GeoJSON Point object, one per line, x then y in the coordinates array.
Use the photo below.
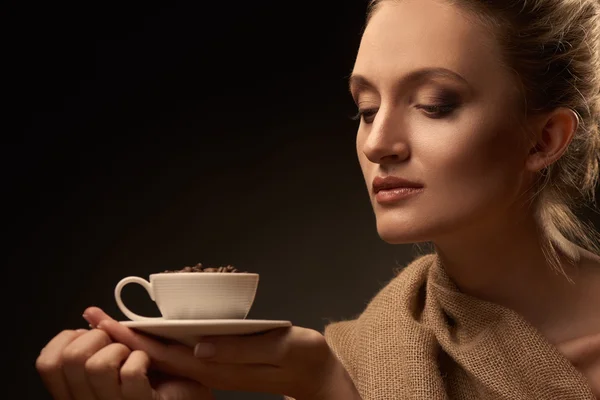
{"type": "Point", "coordinates": [435, 111]}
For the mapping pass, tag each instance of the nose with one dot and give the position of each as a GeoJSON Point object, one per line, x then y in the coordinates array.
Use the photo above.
{"type": "Point", "coordinates": [386, 142]}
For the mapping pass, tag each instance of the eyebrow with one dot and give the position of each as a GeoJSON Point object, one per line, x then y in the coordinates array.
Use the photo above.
{"type": "Point", "coordinates": [359, 82]}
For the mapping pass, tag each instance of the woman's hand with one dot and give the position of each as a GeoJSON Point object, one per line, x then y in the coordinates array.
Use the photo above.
{"type": "Point", "coordinates": [88, 365]}
{"type": "Point", "coordinates": [295, 362]}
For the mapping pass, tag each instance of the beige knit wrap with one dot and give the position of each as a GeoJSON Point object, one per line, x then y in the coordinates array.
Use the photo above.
{"type": "Point", "coordinates": [420, 338]}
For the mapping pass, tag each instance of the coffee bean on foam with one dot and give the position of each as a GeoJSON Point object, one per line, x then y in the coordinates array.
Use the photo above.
{"type": "Point", "coordinates": [200, 268]}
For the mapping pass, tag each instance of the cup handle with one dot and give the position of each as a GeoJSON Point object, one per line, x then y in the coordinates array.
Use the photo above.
{"type": "Point", "coordinates": [130, 314]}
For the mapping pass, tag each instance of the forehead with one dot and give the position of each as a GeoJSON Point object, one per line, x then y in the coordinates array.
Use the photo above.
{"type": "Point", "coordinates": [410, 34]}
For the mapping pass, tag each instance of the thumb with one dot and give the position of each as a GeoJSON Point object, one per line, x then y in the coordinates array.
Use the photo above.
{"type": "Point", "coordinates": [182, 390]}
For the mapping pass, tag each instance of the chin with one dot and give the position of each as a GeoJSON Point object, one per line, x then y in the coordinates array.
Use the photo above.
{"type": "Point", "coordinates": [398, 234]}
{"type": "Point", "coordinates": [406, 225]}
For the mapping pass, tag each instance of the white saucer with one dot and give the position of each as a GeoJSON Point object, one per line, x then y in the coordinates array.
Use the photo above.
{"type": "Point", "coordinates": [188, 331]}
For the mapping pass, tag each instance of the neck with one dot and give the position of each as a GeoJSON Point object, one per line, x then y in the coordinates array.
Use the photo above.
{"type": "Point", "coordinates": [506, 265]}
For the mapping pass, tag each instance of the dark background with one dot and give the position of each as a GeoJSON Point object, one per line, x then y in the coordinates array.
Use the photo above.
{"type": "Point", "coordinates": [143, 138]}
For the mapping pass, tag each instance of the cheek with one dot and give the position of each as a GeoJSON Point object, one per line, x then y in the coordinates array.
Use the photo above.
{"type": "Point", "coordinates": [365, 164]}
{"type": "Point", "coordinates": [479, 165]}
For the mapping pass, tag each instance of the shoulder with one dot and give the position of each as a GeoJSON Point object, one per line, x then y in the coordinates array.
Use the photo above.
{"type": "Point", "coordinates": [583, 319]}
{"type": "Point", "coordinates": [584, 354]}
{"type": "Point", "coordinates": [589, 283]}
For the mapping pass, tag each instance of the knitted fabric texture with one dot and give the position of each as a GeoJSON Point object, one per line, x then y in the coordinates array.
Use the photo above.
{"type": "Point", "coordinates": [420, 338]}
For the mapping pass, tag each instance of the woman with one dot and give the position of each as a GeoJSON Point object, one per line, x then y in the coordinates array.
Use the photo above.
{"type": "Point", "coordinates": [479, 130]}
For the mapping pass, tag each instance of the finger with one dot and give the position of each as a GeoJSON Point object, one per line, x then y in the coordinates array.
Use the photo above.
{"type": "Point", "coordinates": [174, 359]}
{"type": "Point", "coordinates": [243, 377]}
{"type": "Point", "coordinates": [94, 315]}
{"type": "Point", "coordinates": [177, 389]}
{"type": "Point", "coordinates": [134, 377]}
{"type": "Point", "coordinates": [103, 371]}
{"type": "Point", "coordinates": [267, 348]}
{"type": "Point", "coordinates": [276, 347]}
{"type": "Point", "coordinates": [49, 364]}
{"type": "Point", "coordinates": [264, 379]}
{"type": "Point", "coordinates": [179, 361]}
{"type": "Point", "coordinates": [75, 355]}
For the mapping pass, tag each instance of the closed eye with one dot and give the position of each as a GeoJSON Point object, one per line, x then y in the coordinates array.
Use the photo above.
{"type": "Point", "coordinates": [367, 115]}
{"type": "Point", "coordinates": [434, 111]}
{"type": "Point", "coordinates": [438, 110]}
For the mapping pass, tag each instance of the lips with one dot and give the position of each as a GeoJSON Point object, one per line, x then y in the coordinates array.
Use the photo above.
{"type": "Point", "coordinates": [393, 182]}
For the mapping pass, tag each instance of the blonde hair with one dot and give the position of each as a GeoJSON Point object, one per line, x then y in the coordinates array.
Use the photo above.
{"type": "Point", "coordinates": [553, 49]}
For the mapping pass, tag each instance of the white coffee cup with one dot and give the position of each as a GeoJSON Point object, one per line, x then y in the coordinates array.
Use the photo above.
{"type": "Point", "coordinates": [195, 295]}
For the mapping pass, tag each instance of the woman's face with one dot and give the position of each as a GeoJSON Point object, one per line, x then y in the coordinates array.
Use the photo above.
{"type": "Point", "coordinates": [451, 132]}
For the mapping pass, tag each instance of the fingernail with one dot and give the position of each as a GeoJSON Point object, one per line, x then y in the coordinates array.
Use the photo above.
{"type": "Point", "coordinates": [203, 350]}
{"type": "Point", "coordinates": [81, 330]}
{"type": "Point", "coordinates": [85, 316]}
{"type": "Point", "coordinates": [101, 325]}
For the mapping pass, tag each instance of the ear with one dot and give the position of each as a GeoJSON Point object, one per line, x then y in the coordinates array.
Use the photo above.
{"type": "Point", "coordinates": [554, 133]}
